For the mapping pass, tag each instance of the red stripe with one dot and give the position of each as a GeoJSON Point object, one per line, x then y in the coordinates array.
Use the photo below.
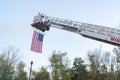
{"type": "Point", "coordinates": [36, 45]}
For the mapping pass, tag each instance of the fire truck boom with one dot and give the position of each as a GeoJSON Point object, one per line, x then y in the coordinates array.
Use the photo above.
{"type": "Point", "coordinates": [92, 31]}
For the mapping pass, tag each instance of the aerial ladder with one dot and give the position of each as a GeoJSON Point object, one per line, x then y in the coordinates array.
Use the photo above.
{"type": "Point", "coordinates": [92, 31]}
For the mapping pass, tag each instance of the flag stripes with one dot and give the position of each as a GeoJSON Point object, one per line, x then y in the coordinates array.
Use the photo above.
{"type": "Point", "coordinates": [37, 42]}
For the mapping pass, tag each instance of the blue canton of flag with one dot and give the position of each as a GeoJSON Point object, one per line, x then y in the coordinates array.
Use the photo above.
{"type": "Point", "coordinates": [37, 42]}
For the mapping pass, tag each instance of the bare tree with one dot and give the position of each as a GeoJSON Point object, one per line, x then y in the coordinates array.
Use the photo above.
{"type": "Point", "coordinates": [94, 58]}
{"type": "Point", "coordinates": [106, 59]}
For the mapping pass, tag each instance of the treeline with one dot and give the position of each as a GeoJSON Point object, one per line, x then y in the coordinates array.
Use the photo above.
{"type": "Point", "coordinates": [99, 65]}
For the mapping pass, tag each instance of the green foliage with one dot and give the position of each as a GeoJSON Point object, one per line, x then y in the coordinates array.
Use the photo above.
{"type": "Point", "coordinates": [60, 66]}
{"type": "Point", "coordinates": [116, 51]}
{"type": "Point", "coordinates": [21, 75]}
{"type": "Point", "coordinates": [101, 66]}
{"type": "Point", "coordinates": [43, 74]}
{"type": "Point", "coordinates": [103, 69]}
{"type": "Point", "coordinates": [7, 64]}
{"type": "Point", "coordinates": [34, 73]}
{"type": "Point", "coordinates": [78, 71]}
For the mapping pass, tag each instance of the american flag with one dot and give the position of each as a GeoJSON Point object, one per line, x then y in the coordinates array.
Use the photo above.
{"type": "Point", "coordinates": [37, 42]}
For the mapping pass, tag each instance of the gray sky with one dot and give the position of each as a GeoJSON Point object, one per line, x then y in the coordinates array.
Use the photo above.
{"type": "Point", "coordinates": [16, 17]}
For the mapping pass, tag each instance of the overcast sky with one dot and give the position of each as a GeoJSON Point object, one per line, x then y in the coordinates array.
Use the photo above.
{"type": "Point", "coordinates": [17, 15]}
